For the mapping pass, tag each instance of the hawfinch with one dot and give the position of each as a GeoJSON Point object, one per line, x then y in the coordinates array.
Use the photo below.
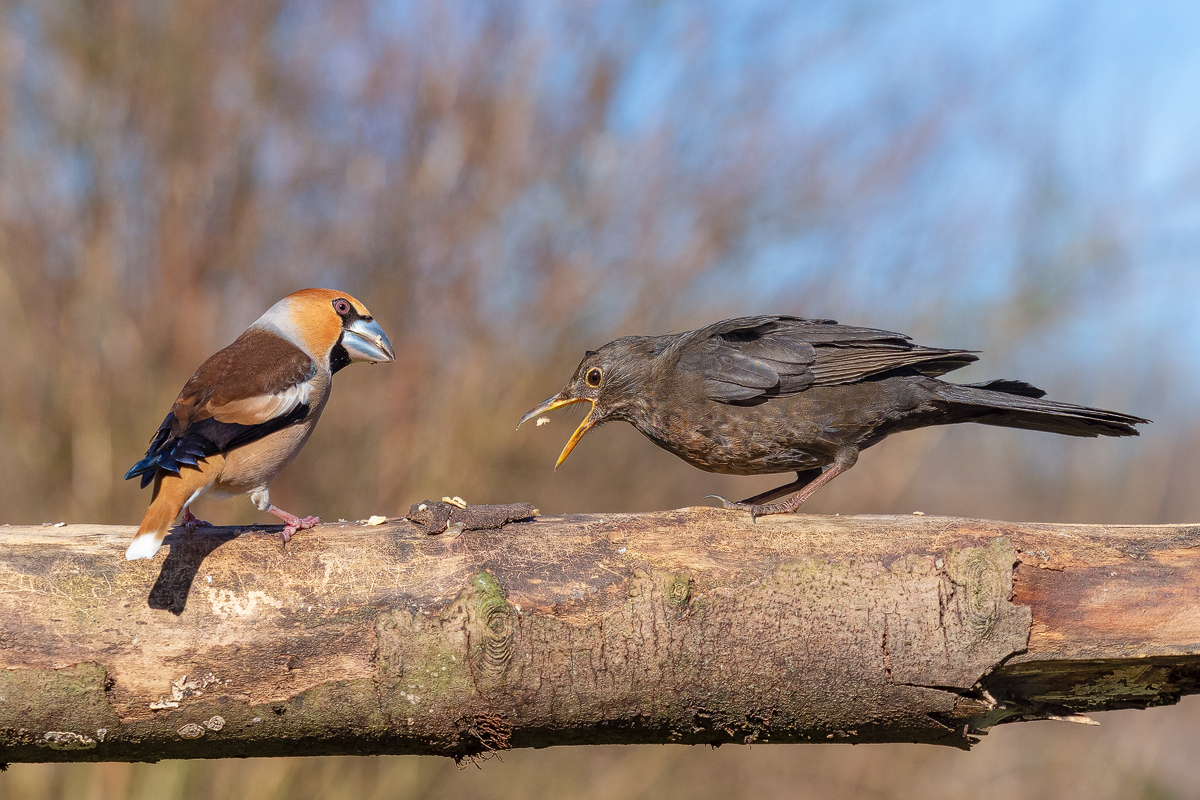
{"type": "Point", "coordinates": [244, 415]}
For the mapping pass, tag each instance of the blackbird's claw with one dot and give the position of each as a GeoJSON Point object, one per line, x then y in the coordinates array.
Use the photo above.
{"type": "Point", "coordinates": [729, 504]}
{"type": "Point", "coordinates": [761, 510]}
{"type": "Point", "coordinates": [732, 506]}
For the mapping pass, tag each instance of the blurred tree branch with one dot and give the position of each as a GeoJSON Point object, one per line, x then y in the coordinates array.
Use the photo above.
{"type": "Point", "coordinates": [691, 626]}
{"type": "Point", "coordinates": [505, 184]}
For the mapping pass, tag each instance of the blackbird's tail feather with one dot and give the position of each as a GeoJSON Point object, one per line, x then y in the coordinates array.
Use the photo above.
{"type": "Point", "coordinates": [1007, 386]}
{"type": "Point", "coordinates": [1016, 404]}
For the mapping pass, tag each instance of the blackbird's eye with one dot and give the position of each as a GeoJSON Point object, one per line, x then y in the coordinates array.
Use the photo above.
{"type": "Point", "coordinates": [593, 376]}
{"type": "Point", "coordinates": [341, 306]}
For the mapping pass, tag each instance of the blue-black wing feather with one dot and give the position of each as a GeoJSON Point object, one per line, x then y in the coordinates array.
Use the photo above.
{"type": "Point", "coordinates": [172, 451]}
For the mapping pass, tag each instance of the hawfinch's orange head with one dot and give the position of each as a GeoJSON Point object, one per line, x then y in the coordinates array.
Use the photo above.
{"type": "Point", "coordinates": [332, 327]}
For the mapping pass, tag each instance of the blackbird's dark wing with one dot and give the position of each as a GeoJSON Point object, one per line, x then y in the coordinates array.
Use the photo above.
{"type": "Point", "coordinates": [741, 359]}
{"type": "Point", "coordinates": [751, 359]}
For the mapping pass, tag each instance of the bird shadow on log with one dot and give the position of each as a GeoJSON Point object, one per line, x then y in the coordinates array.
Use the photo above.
{"type": "Point", "coordinates": [188, 551]}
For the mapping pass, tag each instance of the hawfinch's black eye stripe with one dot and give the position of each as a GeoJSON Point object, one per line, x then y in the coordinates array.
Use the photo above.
{"type": "Point", "coordinates": [593, 376]}
{"type": "Point", "coordinates": [341, 306]}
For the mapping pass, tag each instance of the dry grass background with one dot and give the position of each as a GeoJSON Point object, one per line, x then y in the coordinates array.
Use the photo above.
{"type": "Point", "coordinates": [505, 184]}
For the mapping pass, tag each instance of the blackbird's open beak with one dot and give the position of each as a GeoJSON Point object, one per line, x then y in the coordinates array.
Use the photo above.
{"type": "Point", "coordinates": [559, 402]}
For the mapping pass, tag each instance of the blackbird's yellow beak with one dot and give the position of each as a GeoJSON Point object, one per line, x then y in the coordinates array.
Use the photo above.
{"type": "Point", "coordinates": [559, 402]}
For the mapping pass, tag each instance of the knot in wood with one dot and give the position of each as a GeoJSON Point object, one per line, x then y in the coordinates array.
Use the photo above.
{"type": "Point", "coordinates": [679, 590]}
{"type": "Point", "coordinates": [497, 621]}
{"type": "Point", "coordinates": [494, 615]}
{"type": "Point", "coordinates": [986, 587]}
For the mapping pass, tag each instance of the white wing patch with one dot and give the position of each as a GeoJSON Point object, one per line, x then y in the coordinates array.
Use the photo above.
{"type": "Point", "coordinates": [264, 407]}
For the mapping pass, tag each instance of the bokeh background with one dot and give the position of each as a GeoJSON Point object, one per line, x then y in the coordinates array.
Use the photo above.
{"type": "Point", "coordinates": [507, 183]}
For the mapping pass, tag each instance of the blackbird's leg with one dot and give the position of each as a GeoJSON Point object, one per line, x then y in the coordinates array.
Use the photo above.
{"type": "Point", "coordinates": [795, 501]}
{"type": "Point", "coordinates": [803, 478]}
{"type": "Point", "coordinates": [844, 461]}
{"type": "Point", "coordinates": [190, 522]}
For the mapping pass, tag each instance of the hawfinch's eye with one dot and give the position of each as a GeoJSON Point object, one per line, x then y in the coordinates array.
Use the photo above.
{"type": "Point", "coordinates": [342, 307]}
{"type": "Point", "coordinates": [593, 376]}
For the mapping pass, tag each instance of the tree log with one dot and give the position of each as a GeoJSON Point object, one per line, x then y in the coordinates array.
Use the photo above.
{"type": "Point", "coordinates": [691, 626]}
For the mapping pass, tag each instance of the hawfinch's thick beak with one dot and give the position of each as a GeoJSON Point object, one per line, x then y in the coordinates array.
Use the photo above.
{"type": "Point", "coordinates": [364, 340]}
{"type": "Point", "coordinates": [558, 402]}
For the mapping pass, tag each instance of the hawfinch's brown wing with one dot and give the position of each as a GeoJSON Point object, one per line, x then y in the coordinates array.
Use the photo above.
{"type": "Point", "coordinates": [258, 385]}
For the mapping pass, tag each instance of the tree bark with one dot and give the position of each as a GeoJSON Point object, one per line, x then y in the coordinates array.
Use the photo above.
{"type": "Point", "coordinates": [691, 626]}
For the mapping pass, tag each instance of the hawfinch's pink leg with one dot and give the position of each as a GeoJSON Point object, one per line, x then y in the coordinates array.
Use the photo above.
{"type": "Point", "coordinates": [191, 522]}
{"type": "Point", "coordinates": [292, 523]}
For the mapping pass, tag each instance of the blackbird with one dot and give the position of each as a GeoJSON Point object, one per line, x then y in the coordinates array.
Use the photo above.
{"type": "Point", "coordinates": [769, 394]}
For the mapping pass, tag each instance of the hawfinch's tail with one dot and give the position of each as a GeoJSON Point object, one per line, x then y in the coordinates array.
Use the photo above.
{"type": "Point", "coordinates": [152, 531]}
{"type": "Point", "coordinates": [171, 494]}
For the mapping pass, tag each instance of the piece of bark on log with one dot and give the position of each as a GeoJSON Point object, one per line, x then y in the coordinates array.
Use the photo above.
{"type": "Point", "coordinates": [690, 626]}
